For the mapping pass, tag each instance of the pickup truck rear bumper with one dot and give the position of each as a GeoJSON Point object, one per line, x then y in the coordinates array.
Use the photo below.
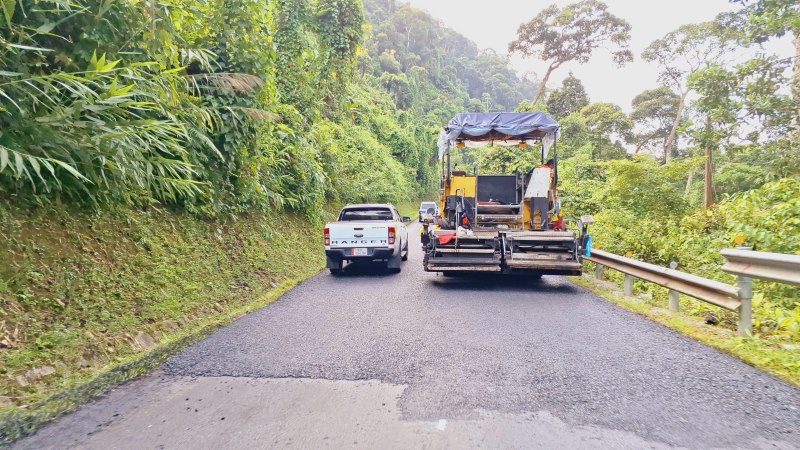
{"type": "Point", "coordinates": [342, 254]}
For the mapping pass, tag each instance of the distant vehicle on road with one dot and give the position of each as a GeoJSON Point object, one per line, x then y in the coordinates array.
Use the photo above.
{"type": "Point", "coordinates": [367, 232]}
{"type": "Point", "coordinates": [428, 211]}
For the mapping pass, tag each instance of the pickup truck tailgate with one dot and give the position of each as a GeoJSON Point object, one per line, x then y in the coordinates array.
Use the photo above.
{"type": "Point", "coordinates": [359, 234]}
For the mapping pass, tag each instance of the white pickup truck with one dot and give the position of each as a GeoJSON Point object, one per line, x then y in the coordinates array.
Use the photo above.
{"type": "Point", "coordinates": [370, 232]}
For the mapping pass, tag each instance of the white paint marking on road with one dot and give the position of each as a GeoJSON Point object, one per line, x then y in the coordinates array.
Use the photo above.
{"type": "Point", "coordinates": [442, 423]}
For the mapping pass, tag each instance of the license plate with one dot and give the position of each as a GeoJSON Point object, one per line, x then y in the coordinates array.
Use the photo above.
{"type": "Point", "coordinates": [359, 252]}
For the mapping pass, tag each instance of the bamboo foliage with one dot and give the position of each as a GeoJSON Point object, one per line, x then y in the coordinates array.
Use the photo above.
{"type": "Point", "coordinates": [138, 127]}
{"type": "Point", "coordinates": [114, 128]}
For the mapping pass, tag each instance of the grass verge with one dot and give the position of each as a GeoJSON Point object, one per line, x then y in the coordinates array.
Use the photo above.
{"type": "Point", "coordinates": [19, 422]}
{"type": "Point", "coordinates": [89, 300]}
{"type": "Point", "coordinates": [770, 355]}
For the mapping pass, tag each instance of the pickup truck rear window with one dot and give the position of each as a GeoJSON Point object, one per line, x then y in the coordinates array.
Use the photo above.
{"type": "Point", "coordinates": [359, 214]}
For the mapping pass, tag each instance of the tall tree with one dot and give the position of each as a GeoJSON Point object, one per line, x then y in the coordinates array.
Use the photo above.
{"type": "Point", "coordinates": [750, 98]}
{"type": "Point", "coordinates": [292, 38]}
{"type": "Point", "coordinates": [558, 36]}
{"type": "Point", "coordinates": [606, 122]}
{"type": "Point", "coordinates": [767, 19]}
{"type": "Point", "coordinates": [683, 52]}
{"type": "Point", "coordinates": [340, 31]}
{"type": "Point", "coordinates": [570, 98]}
{"type": "Point", "coordinates": [653, 112]}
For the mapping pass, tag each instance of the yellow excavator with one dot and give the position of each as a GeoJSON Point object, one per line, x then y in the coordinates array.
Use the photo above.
{"type": "Point", "coordinates": [503, 223]}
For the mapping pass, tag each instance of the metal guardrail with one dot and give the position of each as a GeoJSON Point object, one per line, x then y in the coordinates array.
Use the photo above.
{"type": "Point", "coordinates": [742, 262]}
{"type": "Point", "coordinates": [766, 266]}
{"type": "Point", "coordinates": [714, 292]}
{"type": "Point", "coordinates": [734, 298]}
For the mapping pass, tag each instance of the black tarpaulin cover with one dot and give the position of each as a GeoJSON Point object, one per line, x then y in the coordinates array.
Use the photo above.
{"type": "Point", "coordinates": [499, 125]}
{"type": "Point", "coordinates": [505, 128]}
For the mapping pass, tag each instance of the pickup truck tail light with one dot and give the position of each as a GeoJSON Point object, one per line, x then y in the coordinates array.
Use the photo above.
{"type": "Point", "coordinates": [327, 237]}
{"type": "Point", "coordinates": [392, 235]}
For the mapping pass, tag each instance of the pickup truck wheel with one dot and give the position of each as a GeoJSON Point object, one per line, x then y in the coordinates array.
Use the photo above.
{"type": "Point", "coordinates": [405, 254]}
{"type": "Point", "coordinates": [336, 272]}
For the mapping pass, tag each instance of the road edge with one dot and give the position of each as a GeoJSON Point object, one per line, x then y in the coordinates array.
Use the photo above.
{"type": "Point", "coordinates": [18, 423]}
{"type": "Point", "coordinates": [752, 351]}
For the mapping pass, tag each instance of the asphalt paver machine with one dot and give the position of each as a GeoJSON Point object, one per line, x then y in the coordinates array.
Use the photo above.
{"type": "Point", "coordinates": [503, 223]}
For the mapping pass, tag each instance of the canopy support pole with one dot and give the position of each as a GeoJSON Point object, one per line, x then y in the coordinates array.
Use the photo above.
{"type": "Point", "coordinates": [555, 164]}
{"type": "Point", "coordinates": [448, 163]}
{"type": "Point", "coordinates": [441, 179]}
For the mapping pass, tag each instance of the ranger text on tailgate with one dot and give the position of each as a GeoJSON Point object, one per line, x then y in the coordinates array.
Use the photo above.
{"type": "Point", "coordinates": [373, 233]}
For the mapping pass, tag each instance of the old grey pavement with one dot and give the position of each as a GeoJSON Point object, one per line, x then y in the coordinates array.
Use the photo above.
{"type": "Point", "coordinates": [416, 360]}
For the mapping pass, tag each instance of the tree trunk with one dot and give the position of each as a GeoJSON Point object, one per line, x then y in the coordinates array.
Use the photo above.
{"type": "Point", "coordinates": [689, 182]}
{"type": "Point", "coordinates": [543, 85]}
{"type": "Point", "coordinates": [795, 138]}
{"type": "Point", "coordinates": [708, 191]}
{"type": "Point", "coordinates": [674, 130]}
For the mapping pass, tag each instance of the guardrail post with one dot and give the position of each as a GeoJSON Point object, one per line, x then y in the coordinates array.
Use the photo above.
{"type": "Point", "coordinates": [628, 285]}
{"type": "Point", "coordinates": [598, 271]}
{"type": "Point", "coordinates": [746, 310]}
{"type": "Point", "coordinates": [746, 298]}
{"type": "Point", "coordinates": [674, 296]}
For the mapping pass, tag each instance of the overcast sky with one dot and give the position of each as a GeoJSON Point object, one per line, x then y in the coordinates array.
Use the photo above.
{"type": "Point", "coordinates": [493, 24]}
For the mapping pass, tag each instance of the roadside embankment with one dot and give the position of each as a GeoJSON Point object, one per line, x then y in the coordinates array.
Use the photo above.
{"type": "Point", "coordinates": [89, 300]}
